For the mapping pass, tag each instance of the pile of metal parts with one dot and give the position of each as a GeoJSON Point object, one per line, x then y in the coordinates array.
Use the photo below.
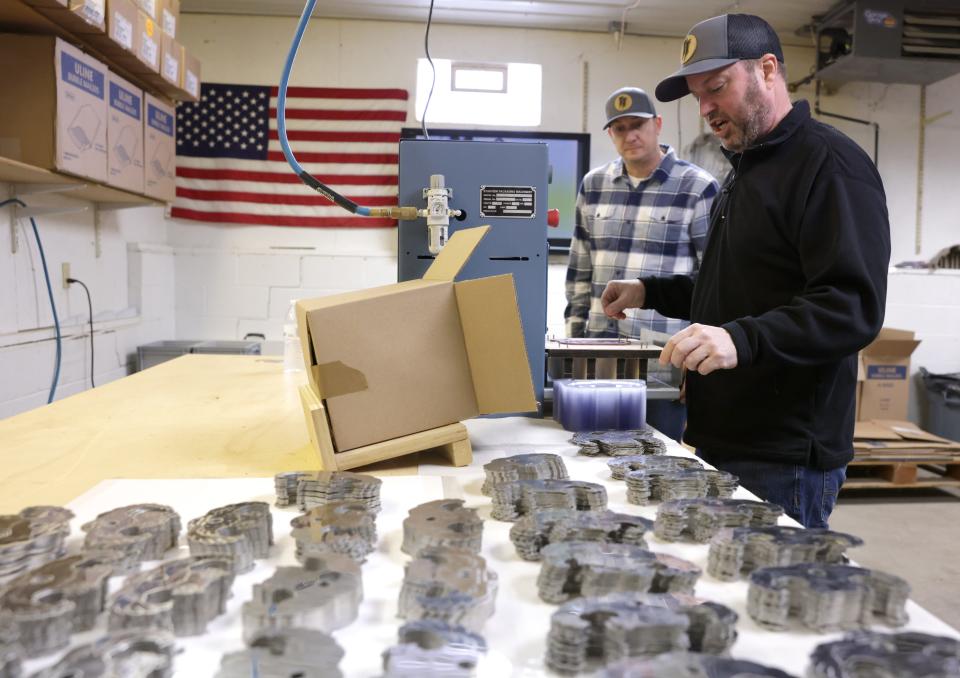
{"type": "Point", "coordinates": [532, 533]}
{"type": "Point", "coordinates": [53, 601]}
{"type": "Point", "coordinates": [323, 595]}
{"type": "Point", "coordinates": [826, 597]}
{"type": "Point", "coordinates": [137, 654]}
{"type": "Point", "coordinates": [303, 653]}
{"type": "Point", "coordinates": [736, 552]}
{"type": "Point", "coordinates": [240, 532]}
{"type": "Point", "coordinates": [523, 467]}
{"type": "Point", "coordinates": [178, 596]}
{"type": "Point", "coordinates": [699, 519]}
{"type": "Point", "coordinates": [588, 633]}
{"type": "Point", "coordinates": [141, 531]}
{"type": "Point", "coordinates": [318, 488]}
{"type": "Point", "coordinates": [522, 497]}
{"type": "Point", "coordinates": [648, 485]}
{"type": "Point", "coordinates": [574, 569]}
{"type": "Point", "coordinates": [689, 665]}
{"type": "Point", "coordinates": [450, 585]}
{"type": "Point", "coordinates": [868, 654]}
{"type": "Point", "coordinates": [430, 647]}
{"type": "Point", "coordinates": [32, 537]}
{"type": "Point", "coordinates": [621, 466]}
{"type": "Point", "coordinates": [444, 522]}
{"type": "Point", "coordinates": [11, 654]}
{"type": "Point", "coordinates": [619, 443]}
{"type": "Point", "coordinates": [338, 527]}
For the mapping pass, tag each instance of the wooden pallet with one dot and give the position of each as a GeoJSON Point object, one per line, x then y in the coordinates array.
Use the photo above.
{"type": "Point", "coordinates": [452, 441]}
{"type": "Point", "coordinates": [896, 471]}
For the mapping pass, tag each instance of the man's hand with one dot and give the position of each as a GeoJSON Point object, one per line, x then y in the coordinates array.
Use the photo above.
{"type": "Point", "coordinates": [620, 295]}
{"type": "Point", "coordinates": [701, 348]}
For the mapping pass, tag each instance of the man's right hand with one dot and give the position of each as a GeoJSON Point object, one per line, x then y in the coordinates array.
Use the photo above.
{"type": "Point", "coordinates": [620, 295]}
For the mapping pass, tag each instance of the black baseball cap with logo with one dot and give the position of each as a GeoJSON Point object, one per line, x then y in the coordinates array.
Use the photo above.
{"type": "Point", "coordinates": [628, 101]}
{"type": "Point", "coordinates": [717, 43]}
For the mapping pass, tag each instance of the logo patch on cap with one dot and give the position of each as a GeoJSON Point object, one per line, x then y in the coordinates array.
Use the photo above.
{"type": "Point", "coordinates": [689, 48]}
{"type": "Point", "coordinates": [622, 102]}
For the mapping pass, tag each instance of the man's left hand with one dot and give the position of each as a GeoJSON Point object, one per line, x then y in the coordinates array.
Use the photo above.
{"type": "Point", "coordinates": [700, 348]}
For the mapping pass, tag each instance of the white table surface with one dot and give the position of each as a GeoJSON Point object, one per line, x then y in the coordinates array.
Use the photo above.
{"type": "Point", "coordinates": [516, 633]}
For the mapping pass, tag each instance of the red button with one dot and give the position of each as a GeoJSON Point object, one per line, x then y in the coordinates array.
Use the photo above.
{"type": "Point", "coordinates": [553, 218]}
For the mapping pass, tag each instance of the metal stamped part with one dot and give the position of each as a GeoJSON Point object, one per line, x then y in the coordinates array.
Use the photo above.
{"type": "Point", "coordinates": [32, 537]}
{"type": "Point", "coordinates": [11, 652]}
{"type": "Point", "coordinates": [144, 531]}
{"type": "Point", "coordinates": [323, 595]}
{"type": "Point", "coordinates": [826, 597]}
{"type": "Point", "coordinates": [126, 654]}
{"type": "Point", "coordinates": [535, 466]}
{"type": "Point", "coordinates": [518, 498]}
{"type": "Point", "coordinates": [869, 654]}
{"type": "Point", "coordinates": [444, 522]}
{"type": "Point", "coordinates": [178, 596]}
{"type": "Point", "coordinates": [286, 485]}
{"type": "Point", "coordinates": [51, 602]}
{"type": "Point", "coordinates": [303, 653]}
{"type": "Point", "coordinates": [450, 585]}
{"type": "Point", "coordinates": [430, 647]}
{"type": "Point", "coordinates": [690, 665]}
{"type": "Point", "coordinates": [620, 466]}
{"type": "Point", "coordinates": [588, 633]}
{"type": "Point", "coordinates": [654, 484]}
{"type": "Point", "coordinates": [619, 443]}
{"type": "Point", "coordinates": [241, 532]}
{"type": "Point", "coordinates": [735, 553]}
{"type": "Point", "coordinates": [323, 487]}
{"type": "Point", "coordinates": [533, 532]}
{"type": "Point", "coordinates": [338, 527]}
{"type": "Point", "coordinates": [699, 519]}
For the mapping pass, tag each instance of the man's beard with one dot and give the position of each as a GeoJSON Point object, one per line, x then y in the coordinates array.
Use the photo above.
{"type": "Point", "coordinates": [752, 124]}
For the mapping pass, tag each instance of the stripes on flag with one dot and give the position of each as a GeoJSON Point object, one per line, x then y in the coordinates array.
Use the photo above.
{"type": "Point", "coordinates": [231, 169]}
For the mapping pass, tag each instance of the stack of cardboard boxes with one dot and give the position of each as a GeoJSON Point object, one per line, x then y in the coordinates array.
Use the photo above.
{"type": "Point", "coordinates": [70, 113]}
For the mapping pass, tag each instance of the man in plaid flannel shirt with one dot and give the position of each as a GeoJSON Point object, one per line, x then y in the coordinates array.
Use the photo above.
{"type": "Point", "coordinates": [644, 214]}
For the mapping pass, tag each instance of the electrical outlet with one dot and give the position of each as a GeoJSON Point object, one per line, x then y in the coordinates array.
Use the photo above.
{"type": "Point", "coordinates": [65, 270]}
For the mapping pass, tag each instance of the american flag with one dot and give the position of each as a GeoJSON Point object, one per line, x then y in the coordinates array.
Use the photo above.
{"type": "Point", "coordinates": [230, 168]}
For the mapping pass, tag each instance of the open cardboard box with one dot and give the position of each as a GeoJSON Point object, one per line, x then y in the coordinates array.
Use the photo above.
{"type": "Point", "coordinates": [883, 388]}
{"type": "Point", "coordinates": [890, 434]}
{"type": "Point", "coordinates": [413, 357]}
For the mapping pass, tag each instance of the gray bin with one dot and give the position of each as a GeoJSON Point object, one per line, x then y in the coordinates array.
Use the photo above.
{"type": "Point", "coordinates": [241, 347]}
{"type": "Point", "coordinates": [942, 393]}
{"type": "Point", "coordinates": [158, 352]}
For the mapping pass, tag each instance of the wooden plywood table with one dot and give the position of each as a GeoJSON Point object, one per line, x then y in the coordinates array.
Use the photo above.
{"type": "Point", "coordinates": [198, 416]}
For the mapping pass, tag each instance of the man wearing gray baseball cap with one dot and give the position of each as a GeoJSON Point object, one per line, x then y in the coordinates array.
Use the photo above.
{"type": "Point", "coordinates": [643, 214]}
{"type": "Point", "coordinates": [793, 279]}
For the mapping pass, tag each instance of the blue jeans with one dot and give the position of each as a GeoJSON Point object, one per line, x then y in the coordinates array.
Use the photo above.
{"type": "Point", "coordinates": [807, 495]}
{"type": "Point", "coordinates": [668, 417]}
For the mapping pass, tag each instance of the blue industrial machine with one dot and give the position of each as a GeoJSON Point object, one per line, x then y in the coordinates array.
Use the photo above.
{"type": "Point", "coordinates": [498, 184]}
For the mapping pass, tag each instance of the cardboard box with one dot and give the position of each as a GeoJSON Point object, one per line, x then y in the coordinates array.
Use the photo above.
{"type": "Point", "coordinates": [190, 74]}
{"type": "Point", "coordinates": [146, 43]}
{"type": "Point", "coordinates": [159, 149]}
{"type": "Point", "coordinates": [55, 115]}
{"type": "Point", "coordinates": [151, 8]}
{"type": "Point", "coordinates": [444, 351]}
{"type": "Point", "coordinates": [170, 17]}
{"type": "Point", "coordinates": [124, 134]}
{"type": "Point", "coordinates": [885, 389]}
{"type": "Point", "coordinates": [49, 4]}
{"type": "Point", "coordinates": [93, 12]}
{"type": "Point", "coordinates": [171, 60]}
{"type": "Point", "coordinates": [890, 435]}
{"type": "Point", "coordinates": [122, 25]}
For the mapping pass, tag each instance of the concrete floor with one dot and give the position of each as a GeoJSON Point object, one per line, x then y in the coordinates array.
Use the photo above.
{"type": "Point", "coordinates": [911, 533]}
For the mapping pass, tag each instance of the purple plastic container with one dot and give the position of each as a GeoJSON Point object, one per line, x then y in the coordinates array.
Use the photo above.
{"type": "Point", "coordinates": [600, 404]}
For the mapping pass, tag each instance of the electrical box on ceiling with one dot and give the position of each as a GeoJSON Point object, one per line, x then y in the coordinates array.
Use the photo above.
{"type": "Point", "coordinates": [903, 41]}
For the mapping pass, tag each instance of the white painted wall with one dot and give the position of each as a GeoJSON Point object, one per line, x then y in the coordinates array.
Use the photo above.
{"type": "Point", "coordinates": [163, 279]}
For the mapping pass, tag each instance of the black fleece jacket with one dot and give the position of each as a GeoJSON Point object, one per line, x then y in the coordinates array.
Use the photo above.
{"type": "Point", "coordinates": [795, 270]}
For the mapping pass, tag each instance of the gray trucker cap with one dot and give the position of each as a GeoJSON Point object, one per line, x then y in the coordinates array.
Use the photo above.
{"type": "Point", "coordinates": [719, 42]}
{"type": "Point", "coordinates": [628, 101]}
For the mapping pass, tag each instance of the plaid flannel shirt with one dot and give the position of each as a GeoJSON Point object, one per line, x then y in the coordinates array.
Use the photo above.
{"type": "Point", "coordinates": [658, 228]}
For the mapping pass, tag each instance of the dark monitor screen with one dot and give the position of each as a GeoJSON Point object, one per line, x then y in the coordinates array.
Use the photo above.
{"type": "Point", "coordinates": [569, 156]}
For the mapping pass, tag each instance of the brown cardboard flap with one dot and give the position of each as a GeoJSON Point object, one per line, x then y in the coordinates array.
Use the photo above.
{"type": "Point", "coordinates": [910, 431]}
{"type": "Point", "coordinates": [899, 348]}
{"type": "Point", "coordinates": [871, 430]}
{"type": "Point", "coordinates": [496, 350]}
{"type": "Point", "coordinates": [336, 379]}
{"type": "Point", "coordinates": [455, 253]}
